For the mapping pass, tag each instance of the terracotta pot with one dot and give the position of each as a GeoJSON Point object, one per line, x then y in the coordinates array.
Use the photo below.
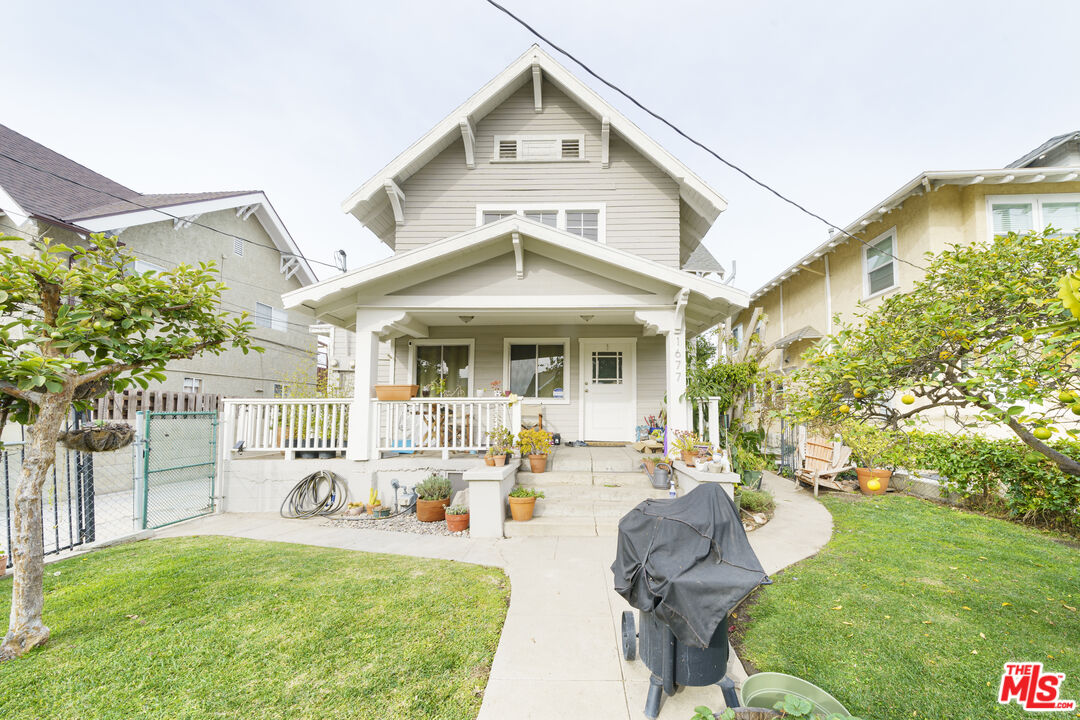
{"type": "Point", "coordinates": [489, 459]}
{"type": "Point", "coordinates": [650, 466]}
{"type": "Point", "coordinates": [521, 509]}
{"type": "Point", "coordinates": [431, 510]}
{"type": "Point", "coordinates": [395, 393]}
{"type": "Point", "coordinates": [538, 463]}
{"type": "Point", "coordinates": [498, 460]}
{"type": "Point", "coordinates": [3, 565]}
{"type": "Point", "coordinates": [457, 523]}
{"type": "Point", "coordinates": [688, 457]}
{"type": "Point", "coordinates": [866, 474]}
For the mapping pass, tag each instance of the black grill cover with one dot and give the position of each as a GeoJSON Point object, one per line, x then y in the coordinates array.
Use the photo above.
{"type": "Point", "coordinates": [687, 560]}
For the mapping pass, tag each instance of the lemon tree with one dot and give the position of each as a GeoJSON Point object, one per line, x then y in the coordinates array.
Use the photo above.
{"type": "Point", "coordinates": [987, 335]}
{"type": "Point", "coordinates": [77, 323]}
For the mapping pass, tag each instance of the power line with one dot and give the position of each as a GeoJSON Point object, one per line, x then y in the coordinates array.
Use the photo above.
{"type": "Point", "coordinates": [159, 210]}
{"type": "Point", "coordinates": [693, 141]}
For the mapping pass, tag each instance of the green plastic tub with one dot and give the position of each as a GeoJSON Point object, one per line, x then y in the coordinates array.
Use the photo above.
{"type": "Point", "coordinates": [768, 688]}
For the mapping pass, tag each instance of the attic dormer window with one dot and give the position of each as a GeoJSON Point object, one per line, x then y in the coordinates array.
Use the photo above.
{"type": "Point", "coordinates": [538, 148]}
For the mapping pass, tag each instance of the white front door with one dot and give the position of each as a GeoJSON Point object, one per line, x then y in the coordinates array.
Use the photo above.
{"type": "Point", "coordinates": [608, 384]}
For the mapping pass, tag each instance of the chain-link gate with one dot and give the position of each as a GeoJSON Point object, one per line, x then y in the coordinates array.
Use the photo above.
{"type": "Point", "coordinates": [179, 459]}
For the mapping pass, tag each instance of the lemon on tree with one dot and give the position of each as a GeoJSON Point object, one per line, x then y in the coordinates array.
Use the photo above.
{"type": "Point", "coordinates": [1042, 433]}
{"type": "Point", "coordinates": [907, 399]}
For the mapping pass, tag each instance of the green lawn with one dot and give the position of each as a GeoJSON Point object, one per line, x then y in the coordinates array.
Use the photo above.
{"type": "Point", "coordinates": [229, 628]}
{"type": "Point", "coordinates": [912, 608]}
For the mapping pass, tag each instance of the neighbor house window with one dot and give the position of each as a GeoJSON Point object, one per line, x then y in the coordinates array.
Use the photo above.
{"type": "Point", "coordinates": [443, 369]}
{"type": "Point", "coordinates": [1024, 213]}
{"type": "Point", "coordinates": [192, 385]}
{"type": "Point", "coordinates": [536, 369]}
{"type": "Point", "coordinates": [585, 220]}
{"type": "Point", "coordinates": [141, 266]}
{"type": "Point", "coordinates": [279, 390]}
{"type": "Point", "coordinates": [585, 223]}
{"type": "Point", "coordinates": [538, 148]}
{"type": "Point", "coordinates": [879, 264]}
{"type": "Point", "coordinates": [267, 316]}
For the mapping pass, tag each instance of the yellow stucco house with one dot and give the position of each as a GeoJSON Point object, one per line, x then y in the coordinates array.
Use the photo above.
{"type": "Point", "coordinates": [927, 214]}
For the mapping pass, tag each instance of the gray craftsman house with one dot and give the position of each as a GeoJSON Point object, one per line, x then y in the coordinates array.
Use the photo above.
{"type": "Point", "coordinates": [543, 245]}
{"type": "Point", "coordinates": [43, 193]}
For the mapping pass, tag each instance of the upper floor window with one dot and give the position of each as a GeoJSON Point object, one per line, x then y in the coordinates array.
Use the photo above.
{"type": "Point", "coordinates": [585, 220]}
{"type": "Point", "coordinates": [141, 266]}
{"type": "Point", "coordinates": [1024, 213]}
{"type": "Point", "coordinates": [267, 316]}
{"type": "Point", "coordinates": [879, 265]}
{"type": "Point", "coordinates": [538, 148]}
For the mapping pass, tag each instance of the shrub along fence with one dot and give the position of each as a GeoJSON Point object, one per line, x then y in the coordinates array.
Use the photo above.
{"type": "Point", "coordinates": [1004, 475]}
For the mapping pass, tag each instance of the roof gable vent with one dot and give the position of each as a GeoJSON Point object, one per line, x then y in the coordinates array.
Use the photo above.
{"type": "Point", "coordinates": [508, 149]}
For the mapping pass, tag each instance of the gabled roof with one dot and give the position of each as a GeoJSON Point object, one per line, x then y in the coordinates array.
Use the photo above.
{"type": "Point", "coordinates": [41, 183]}
{"type": "Point", "coordinates": [804, 333]}
{"type": "Point", "coordinates": [626, 265]}
{"type": "Point", "coordinates": [372, 194]}
{"type": "Point", "coordinates": [1044, 149]}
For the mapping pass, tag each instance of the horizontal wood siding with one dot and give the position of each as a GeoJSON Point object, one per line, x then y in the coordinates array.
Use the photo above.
{"type": "Point", "coordinates": [642, 202]}
{"type": "Point", "coordinates": [563, 419]}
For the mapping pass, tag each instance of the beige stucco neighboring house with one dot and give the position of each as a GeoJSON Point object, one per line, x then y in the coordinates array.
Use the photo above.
{"type": "Point", "coordinates": [929, 213]}
{"type": "Point", "coordinates": [44, 194]}
{"type": "Point", "coordinates": [544, 245]}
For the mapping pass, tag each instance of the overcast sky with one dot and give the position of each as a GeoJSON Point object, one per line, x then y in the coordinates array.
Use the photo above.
{"type": "Point", "coordinates": [835, 103]}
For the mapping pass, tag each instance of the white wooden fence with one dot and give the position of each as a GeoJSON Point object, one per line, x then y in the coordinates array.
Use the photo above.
{"type": "Point", "coordinates": [289, 425]}
{"type": "Point", "coordinates": [443, 424]}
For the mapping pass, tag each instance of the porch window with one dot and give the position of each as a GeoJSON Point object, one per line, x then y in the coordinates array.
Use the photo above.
{"type": "Point", "coordinates": [443, 370]}
{"type": "Point", "coordinates": [536, 369]}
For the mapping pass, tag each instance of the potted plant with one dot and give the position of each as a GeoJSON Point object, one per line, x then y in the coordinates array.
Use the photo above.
{"type": "Point", "coordinates": [489, 456]}
{"type": "Point", "coordinates": [650, 463]}
{"type": "Point", "coordinates": [523, 502]}
{"type": "Point", "coordinates": [536, 444]}
{"type": "Point", "coordinates": [395, 393]}
{"type": "Point", "coordinates": [500, 442]}
{"type": "Point", "coordinates": [3, 563]}
{"type": "Point", "coordinates": [457, 518]}
{"type": "Point", "coordinates": [432, 498]}
{"type": "Point", "coordinates": [685, 443]}
{"type": "Point", "coordinates": [875, 452]}
{"type": "Point", "coordinates": [749, 464]}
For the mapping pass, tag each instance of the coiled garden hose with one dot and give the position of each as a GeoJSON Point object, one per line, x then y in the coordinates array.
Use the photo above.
{"type": "Point", "coordinates": [320, 493]}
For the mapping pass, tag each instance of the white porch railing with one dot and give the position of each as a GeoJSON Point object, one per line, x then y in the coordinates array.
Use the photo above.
{"type": "Point", "coordinates": [444, 424]}
{"type": "Point", "coordinates": [313, 424]}
{"type": "Point", "coordinates": [708, 417]}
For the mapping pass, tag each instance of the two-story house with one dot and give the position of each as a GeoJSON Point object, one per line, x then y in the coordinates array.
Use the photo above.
{"type": "Point", "coordinates": [45, 194]}
{"type": "Point", "coordinates": [543, 245]}
{"type": "Point", "coordinates": [931, 212]}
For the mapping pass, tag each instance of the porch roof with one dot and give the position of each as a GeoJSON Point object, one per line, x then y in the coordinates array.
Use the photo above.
{"type": "Point", "coordinates": [335, 300]}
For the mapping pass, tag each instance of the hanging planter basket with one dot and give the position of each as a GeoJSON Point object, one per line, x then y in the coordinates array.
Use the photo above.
{"type": "Point", "coordinates": [98, 438]}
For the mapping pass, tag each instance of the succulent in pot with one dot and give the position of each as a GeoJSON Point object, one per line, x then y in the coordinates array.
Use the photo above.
{"type": "Point", "coordinates": [432, 498]}
{"type": "Point", "coordinates": [457, 518]}
{"type": "Point", "coordinates": [523, 502]}
{"type": "Point", "coordinates": [535, 443]}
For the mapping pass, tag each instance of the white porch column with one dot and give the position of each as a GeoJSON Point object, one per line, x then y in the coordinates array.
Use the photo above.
{"type": "Point", "coordinates": [362, 413]}
{"type": "Point", "coordinates": [678, 408]}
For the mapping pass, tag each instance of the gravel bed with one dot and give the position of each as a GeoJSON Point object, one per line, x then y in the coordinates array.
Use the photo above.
{"type": "Point", "coordinates": [406, 523]}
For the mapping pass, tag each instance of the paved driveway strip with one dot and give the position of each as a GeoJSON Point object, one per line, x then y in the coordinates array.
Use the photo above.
{"type": "Point", "coordinates": [559, 653]}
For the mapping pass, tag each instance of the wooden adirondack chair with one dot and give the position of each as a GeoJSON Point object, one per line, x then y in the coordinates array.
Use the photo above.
{"type": "Point", "coordinates": [822, 462]}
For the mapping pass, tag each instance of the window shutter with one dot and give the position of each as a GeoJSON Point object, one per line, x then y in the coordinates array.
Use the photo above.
{"type": "Point", "coordinates": [571, 149]}
{"type": "Point", "coordinates": [508, 150]}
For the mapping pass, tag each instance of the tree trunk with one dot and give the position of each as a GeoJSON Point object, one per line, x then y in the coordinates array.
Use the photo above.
{"type": "Point", "coordinates": [25, 627]}
{"type": "Point", "coordinates": [1065, 463]}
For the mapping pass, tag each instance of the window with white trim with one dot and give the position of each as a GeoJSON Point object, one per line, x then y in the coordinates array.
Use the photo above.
{"type": "Point", "coordinates": [267, 316]}
{"type": "Point", "coordinates": [141, 266]}
{"type": "Point", "coordinates": [879, 265]}
{"type": "Point", "coordinates": [192, 385]}
{"type": "Point", "coordinates": [536, 369]}
{"type": "Point", "coordinates": [1024, 213]}
{"type": "Point", "coordinates": [443, 369]}
{"type": "Point", "coordinates": [538, 148]}
{"type": "Point", "coordinates": [586, 220]}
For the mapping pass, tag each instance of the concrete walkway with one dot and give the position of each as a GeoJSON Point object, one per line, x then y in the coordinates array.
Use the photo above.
{"type": "Point", "coordinates": [559, 655]}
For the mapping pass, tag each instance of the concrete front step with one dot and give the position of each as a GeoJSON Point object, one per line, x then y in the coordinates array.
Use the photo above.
{"type": "Point", "coordinates": [630, 479]}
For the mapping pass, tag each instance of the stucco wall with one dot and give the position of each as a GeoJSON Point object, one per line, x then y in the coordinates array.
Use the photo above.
{"type": "Point", "coordinates": [925, 223]}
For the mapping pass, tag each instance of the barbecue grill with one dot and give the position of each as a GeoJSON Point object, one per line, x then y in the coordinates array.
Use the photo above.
{"type": "Point", "coordinates": [684, 564]}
